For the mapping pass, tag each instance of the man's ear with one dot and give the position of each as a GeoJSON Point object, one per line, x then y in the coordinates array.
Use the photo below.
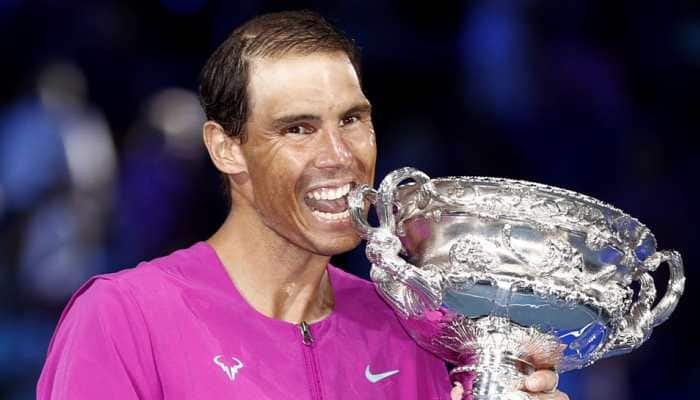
{"type": "Point", "coordinates": [224, 150]}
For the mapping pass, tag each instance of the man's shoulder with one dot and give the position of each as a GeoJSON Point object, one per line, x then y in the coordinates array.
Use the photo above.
{"type": "Point", "coordinates": [346, 284]}
{"type": "Point", "coordinates": [359, 297]}
{"type": "Point", "coordinates": [147, 278]}
{"type": "Point", "coordinates": [346, 278]}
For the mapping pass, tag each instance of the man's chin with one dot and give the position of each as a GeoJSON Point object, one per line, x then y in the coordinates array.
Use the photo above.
{"type": "Point", "coordinates": [338, 246]}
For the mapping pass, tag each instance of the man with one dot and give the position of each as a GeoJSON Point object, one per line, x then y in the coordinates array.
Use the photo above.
{"type": "Point", "coordinates": [256, 311]}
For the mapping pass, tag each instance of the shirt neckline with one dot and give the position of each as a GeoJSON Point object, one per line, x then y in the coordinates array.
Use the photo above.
{"type": "Point", "coordinates": [228, 286]}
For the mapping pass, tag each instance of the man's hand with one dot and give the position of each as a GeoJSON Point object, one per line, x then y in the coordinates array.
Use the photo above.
{"type": "Point", "coordinates": [540, 385]}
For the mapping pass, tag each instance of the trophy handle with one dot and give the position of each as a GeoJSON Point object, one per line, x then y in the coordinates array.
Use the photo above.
{"type": "Point", "coordinates": [356, 204]}
{"type": "Point", "coordinates": [643, 317]}
{"type": "Point", "coordinates": [676, 284]}
{"type": "Point", "coordinates": [409, 289]}
{"type": "Point", "coordinates": [387, 189]}
{"type": "Point", "coordinates": [384, 201]}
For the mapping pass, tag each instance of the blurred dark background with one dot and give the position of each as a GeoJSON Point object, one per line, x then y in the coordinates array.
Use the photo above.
{"type": "Point", "coordinates": [101, 162]}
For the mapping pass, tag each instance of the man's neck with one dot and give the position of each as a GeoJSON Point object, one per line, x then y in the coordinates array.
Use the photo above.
{"type": "Point", "coordinates": [276, 277]}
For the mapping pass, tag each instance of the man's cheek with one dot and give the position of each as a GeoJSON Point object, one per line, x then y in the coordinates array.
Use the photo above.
{"type": "Point", "coordinates": [364, 152]}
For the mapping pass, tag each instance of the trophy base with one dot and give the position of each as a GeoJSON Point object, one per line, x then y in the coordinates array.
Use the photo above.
{"type": "Point", "coordinates": [498, 355]}
{"type": "Point", "coordinates": [495, 374]}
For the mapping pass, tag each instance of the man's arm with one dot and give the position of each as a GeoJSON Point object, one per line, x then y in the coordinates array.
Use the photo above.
{"type": "Point", "coordinates": [100, 349]}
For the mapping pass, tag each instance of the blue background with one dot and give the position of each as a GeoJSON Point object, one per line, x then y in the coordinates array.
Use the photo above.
{"type": "Point", "coordinates": [101, 162]}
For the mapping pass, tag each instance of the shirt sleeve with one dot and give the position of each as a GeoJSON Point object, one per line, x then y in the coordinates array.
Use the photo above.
{"type": "Point", "coordinates": [100, 349]}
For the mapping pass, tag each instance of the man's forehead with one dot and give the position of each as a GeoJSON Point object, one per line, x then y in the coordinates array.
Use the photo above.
{"type": "Point", "coordinates": [304, 83]}
{"type": "Point", "coordinates": [291, 69]}
{"type": "Point", "coordinates": [292, 55]}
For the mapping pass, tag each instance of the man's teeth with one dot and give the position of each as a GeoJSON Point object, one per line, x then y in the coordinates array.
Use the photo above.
{"type": "Point", "coordinates": [332, 216]}
{"type": "Point", "coordinates": [329, 193]}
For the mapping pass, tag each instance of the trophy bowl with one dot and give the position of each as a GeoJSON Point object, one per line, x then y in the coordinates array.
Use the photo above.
{"type": "Point", "coordinates": [501, 277]}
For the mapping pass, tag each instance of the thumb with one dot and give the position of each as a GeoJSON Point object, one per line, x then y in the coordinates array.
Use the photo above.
{"type": "Point", "coordinates": [457, 391]}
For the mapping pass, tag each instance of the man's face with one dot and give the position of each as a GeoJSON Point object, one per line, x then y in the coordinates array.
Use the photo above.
{"type": "Point", "coordinates": [310, 139]}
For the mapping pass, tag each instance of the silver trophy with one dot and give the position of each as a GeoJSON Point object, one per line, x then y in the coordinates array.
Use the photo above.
{"type": "Point", "coordinates": [501, 277]}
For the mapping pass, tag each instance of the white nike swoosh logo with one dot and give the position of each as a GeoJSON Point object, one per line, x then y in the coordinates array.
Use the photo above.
{"type": "Point", "coordinates": [374, 378]}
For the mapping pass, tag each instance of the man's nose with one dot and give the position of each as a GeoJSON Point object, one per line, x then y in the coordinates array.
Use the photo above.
{"type": "Point", "coordinates": [335, 152]}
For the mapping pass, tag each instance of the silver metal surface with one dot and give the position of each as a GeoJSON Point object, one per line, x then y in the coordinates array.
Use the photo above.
{"type": "Point", "coordinates": [501, 276]}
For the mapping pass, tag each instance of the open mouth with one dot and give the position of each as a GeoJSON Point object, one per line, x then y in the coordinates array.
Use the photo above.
{"type": "Point", "coordinates": [329, 203]}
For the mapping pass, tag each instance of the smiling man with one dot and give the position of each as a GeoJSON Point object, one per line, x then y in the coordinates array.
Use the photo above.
{"type": "Point", "coordinates": [257, 311]}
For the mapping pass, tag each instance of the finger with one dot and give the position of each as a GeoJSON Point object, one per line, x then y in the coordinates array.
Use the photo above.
{"type": "Point", "coordinates": [545, 360]}
{"type": "Point", "coordinates": [550, 396]}
{"type": "Point", "coordinates": [541, 381]}
{"type": "Point", "coordinates": [457, 391]}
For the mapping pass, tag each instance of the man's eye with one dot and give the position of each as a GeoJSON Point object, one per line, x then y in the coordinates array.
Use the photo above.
{"type": "Point", "coordinates": [298, 130]}
{"type": "Point", "coordinates": [350, 119]}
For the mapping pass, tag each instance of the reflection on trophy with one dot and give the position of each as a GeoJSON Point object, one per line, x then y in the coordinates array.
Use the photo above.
{"type": "Point", "coordinates": [500, 276]}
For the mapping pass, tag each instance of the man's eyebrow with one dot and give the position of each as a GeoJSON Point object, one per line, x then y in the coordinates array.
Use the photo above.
{"type": "Point", "coordinates": [293, 118]}
{"type": "Point", "coordinates": [359, 108]}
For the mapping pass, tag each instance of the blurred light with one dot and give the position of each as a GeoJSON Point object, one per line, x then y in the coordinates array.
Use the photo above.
{"type": "Point", "coordinates": [494, 50]}
{"type": "Point", "coordinates": [23, 342]}
{"type": "Point", "coordinates": [690, 42]}
{"type": "Point", "coordinates": [183, 6]}
{"type": "Point", "coordinates": [2, 200]}
{"type": "Point", "coordinates": [178, 114]}
{"type": "Point", "coordinates": [90, 153]}
{"type": "Point", "coordinates": [6, 5]}
{"type": "Point", "coordinates": [59, 250]}
{"type": "Point", "coordinates": [62, 85]}
{"type": "Point", "coordinates": [31, 154]}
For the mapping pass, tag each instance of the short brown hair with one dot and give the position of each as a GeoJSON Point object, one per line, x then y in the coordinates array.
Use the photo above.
{"type": "Point", "coordinates": [224, 79]}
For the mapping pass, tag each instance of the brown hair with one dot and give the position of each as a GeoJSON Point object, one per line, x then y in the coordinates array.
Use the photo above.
{"type": "Point", "coordinates": [224, 79]}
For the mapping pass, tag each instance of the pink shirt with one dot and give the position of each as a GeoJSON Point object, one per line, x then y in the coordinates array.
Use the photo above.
{"type": "Point", "coordinates": [176, 328]}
